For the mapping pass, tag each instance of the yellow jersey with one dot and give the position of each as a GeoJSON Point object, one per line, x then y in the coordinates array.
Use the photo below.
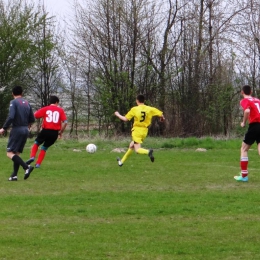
{"type": "Point", "coordinates": [143, 115]}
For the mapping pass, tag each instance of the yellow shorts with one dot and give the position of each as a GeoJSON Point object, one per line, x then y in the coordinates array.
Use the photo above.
{"type": "Point", "coordinates": [139, 134]}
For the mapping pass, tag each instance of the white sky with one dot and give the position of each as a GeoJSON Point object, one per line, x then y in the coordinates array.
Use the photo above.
{"type": "Point", "coordinates": [63, 10]}
{"type": "Point", "coordinates": [59, 8]}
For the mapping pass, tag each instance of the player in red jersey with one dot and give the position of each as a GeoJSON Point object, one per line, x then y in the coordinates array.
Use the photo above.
{"type": "Point", "coordinates": [53, 125]}
{"type": "Point", "coordinates": [251, 107]}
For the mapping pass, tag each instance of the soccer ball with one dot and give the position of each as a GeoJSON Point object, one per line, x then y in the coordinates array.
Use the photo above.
{"type": "Point", "coordinates": [91, 148]}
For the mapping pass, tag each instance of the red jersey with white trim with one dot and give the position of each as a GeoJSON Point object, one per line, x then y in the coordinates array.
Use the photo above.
{"type": "Point", "coordinates": [254, 105]}
{"type": "Point", "coordinates": [52, 115]}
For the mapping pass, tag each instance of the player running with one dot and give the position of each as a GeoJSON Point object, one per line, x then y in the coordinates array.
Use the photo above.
{"type": "Point", "coordinates": [53, 125]}
{"type": "Point", "coordinates": [20, 118]}
{"type": "Point", "coordinates": [251, 107]}
{"type": "Point", "coordinates": [142, 115]}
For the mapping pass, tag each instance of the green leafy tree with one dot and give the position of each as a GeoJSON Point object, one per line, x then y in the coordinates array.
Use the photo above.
{"type": "Point", "coordinates": [18, 22]}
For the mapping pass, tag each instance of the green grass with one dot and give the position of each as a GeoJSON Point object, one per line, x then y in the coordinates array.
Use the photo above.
{"type": "Point", "coordinates": [185, 205]}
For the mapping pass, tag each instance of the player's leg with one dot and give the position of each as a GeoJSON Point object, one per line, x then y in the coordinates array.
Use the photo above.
{"type": "Point", "coordinates": [38, 141]}
{"type": "Point", "coordinates": [138, 135]}
{"type": "Point", "coordinates": [18, 161]}
{"type": "Point", "coordinates": [41, 156]}
{"type": "Point", "coordinates": [33, 153]}
{"type": "Point", "coordinates": [146, 151]}
{"type": "Point", "coordinates": [16, 143]}
{"type": "Point", "coordinates": [251, 136]}
{"type": "Point", "coordinates": [141, 135]}
{"type": "Point", "coordinates": [126, 155]}
{"type": "Point", "coordinates": [16, 166]}
{"type": "Point", "coordinates": [243, 163]}
{"type": "Point", "coordinates": [13, 176]}
{"type": "Point", "coordinates": [244, 159]}
{"type": "Point", "coordinates": [50, 137]}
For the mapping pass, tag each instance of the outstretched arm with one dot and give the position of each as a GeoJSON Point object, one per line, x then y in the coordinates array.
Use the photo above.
{"type": "Point", "coordinates": [123, 118]}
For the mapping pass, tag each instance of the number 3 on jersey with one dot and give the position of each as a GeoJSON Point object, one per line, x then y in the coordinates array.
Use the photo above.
{"type": "Point", "coordinates": [143, 116]}
{"type": "Point", "coordinates": [52, 116]}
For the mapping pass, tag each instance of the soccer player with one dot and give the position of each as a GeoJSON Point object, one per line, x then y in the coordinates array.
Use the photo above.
{"type": "Point", "coordinates": [53, 125]}
{"type": "Point", "coordinates": [20, 117]}
{"type": "Point", "coordinates": [142, 115]}
{"type": "Point", "coordinates": [251, 108]}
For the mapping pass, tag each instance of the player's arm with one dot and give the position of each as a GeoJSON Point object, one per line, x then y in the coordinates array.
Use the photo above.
{"type": "Point", "coordinates": [63, 126]}
{"type": "Point", "coordinates": [9, 119]}
{"type": "Point", "coordinates": [157, 112]}
{"type": "Point", "coordinates": [245, 117]}
{"type": "Point", "coordinates": [162, 118]}
{"type": "Point", "coordinates": [31, 118]}
{"type": "Point", "coordinates": [40, 113]}
{"type": "Point", "coordinates": [123, 118]}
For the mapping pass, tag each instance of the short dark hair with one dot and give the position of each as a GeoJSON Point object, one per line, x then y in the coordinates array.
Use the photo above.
{"type": "Point", "coordinates": [17, 91]}
{"type": "Point", "coordinates": [140, 98]}
{"type": "Point", "coordinates": [54, 100]}
{"type": "Point", "coordinates": [246, 89]}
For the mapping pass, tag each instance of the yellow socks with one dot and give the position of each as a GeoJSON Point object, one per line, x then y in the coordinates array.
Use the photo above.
{"type": "Point", "coordinates": [127, 154]}
{"type": "Point", "coordinates": [130, 151]}
{"type": "Point", "coordinates": [142, 151]}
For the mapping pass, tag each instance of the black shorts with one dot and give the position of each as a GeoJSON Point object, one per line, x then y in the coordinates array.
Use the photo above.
{"type": "Point", "coordinates": [253, 134]}
{"type": "Point", "coordinates": [47, 137]}
{"type": "Point", "coordinates": [17, 139]}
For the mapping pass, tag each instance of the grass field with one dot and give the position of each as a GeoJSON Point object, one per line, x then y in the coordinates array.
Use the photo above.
{"type": "Point", "coordinates": [185, 205]}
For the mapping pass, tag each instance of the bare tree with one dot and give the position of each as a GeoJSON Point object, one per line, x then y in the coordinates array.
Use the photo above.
{"type": "Point", "coordinates": [249, 44]}
{"type": "Point", "coordinates": [108, 32]}
{"type": "Point", "coordinates": [43, 77]}
{"type": "Point", "coordinates": [180, 53]}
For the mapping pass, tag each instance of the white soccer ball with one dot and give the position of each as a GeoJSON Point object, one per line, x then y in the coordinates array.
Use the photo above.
{"type": "Point", "coordinates": [91, 148]}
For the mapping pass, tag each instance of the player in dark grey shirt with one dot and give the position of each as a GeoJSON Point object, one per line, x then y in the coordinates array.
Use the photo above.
{"type": "Point", "coordinates": [20, 118]}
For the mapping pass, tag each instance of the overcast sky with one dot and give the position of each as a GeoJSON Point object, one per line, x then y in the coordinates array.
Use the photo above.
{"type": "Point", "coordinates": [59, 7]}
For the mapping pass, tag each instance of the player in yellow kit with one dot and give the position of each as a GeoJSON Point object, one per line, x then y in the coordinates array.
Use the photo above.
{"type": "Point", "coordinates": [142, 115]}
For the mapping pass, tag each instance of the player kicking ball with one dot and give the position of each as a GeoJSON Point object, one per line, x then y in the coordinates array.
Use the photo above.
{"type": "Point", "coordinates": [142, 115]}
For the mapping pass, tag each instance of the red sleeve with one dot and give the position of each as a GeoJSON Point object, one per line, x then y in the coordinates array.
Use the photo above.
{"type": "Point", "coordinates": [63, 116]}
{"type": "Point", "coordinates": [39, 113]}
{"type": "Point", "coordinates": [245, 103]}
